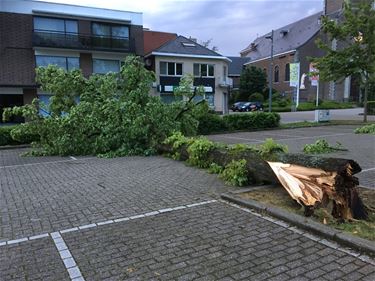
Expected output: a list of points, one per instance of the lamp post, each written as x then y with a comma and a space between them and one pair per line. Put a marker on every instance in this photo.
270, 74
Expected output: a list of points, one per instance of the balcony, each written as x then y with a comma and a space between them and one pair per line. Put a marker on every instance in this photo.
225, 82
50, 39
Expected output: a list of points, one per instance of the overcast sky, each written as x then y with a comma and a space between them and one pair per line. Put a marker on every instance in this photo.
231, 24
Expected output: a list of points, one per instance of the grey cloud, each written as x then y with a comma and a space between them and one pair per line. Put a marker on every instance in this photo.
231, 24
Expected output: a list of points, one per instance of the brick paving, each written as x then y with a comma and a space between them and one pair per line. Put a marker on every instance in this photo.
53, 196
203, 242
360, 147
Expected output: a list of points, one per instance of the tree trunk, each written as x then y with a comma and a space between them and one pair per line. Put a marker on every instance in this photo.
319, 179
365, 98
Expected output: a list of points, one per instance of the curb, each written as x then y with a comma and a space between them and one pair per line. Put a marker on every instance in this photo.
6, 147
357, 243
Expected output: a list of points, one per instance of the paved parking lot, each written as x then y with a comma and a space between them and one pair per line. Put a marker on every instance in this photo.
361, 147
147, 218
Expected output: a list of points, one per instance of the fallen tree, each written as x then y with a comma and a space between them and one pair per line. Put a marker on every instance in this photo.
312, 181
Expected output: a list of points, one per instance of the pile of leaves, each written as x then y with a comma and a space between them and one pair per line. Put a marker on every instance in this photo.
109, 115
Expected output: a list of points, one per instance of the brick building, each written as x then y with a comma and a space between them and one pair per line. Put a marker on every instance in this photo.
34, 33
296, 43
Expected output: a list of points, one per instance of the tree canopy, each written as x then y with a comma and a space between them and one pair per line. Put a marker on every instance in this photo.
252, 80
110, 115
353, 48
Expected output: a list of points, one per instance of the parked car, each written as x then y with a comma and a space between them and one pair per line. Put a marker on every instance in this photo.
237, 106
251, 106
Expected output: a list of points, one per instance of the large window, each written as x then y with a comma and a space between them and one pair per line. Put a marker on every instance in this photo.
67, 63
42, 24
287, 72
108, 30
102, 66
276, 74
170, 68
204, 70
113, 36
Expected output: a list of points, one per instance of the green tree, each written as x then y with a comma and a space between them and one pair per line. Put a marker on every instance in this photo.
252, 80
354, 33
116, 115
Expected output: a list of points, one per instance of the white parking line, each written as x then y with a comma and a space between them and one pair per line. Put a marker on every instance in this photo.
66, 256
102, 223
239, 138
290, 137
367, 170
48, 162
38, 163
313, 137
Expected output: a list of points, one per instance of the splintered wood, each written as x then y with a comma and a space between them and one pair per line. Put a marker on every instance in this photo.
313, 188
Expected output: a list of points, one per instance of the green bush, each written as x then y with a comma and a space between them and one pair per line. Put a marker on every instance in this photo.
367, 129
198, 150
321, 146
371, 107
270, 147
14, 135
256, 97
254, 120
235, 173
215, 168
5, 137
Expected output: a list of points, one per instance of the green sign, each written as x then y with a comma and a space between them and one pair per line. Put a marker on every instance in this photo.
294, 74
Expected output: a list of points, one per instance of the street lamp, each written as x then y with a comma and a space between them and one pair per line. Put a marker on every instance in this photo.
270, 74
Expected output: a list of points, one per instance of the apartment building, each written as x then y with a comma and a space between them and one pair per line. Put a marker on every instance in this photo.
180, 56
34, 33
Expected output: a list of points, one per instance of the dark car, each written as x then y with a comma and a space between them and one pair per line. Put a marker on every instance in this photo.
237, 106
251, 106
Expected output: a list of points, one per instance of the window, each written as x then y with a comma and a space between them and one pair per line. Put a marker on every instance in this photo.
107, 30
67, 63
287, 72
101, 66
276, 74
204, 70
170, 68
42, 24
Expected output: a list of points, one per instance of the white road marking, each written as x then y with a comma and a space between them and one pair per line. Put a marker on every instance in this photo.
66, 256
57, 234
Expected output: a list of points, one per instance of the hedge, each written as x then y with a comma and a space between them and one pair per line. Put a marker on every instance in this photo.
212, 123
6, 137
371, 107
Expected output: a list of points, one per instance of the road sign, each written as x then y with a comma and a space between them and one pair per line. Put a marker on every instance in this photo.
294, 74
314, 78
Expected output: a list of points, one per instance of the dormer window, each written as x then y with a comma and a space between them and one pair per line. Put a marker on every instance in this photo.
283, 33
185, 44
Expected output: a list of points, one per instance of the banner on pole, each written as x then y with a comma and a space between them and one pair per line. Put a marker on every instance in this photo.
313, 78
294, 74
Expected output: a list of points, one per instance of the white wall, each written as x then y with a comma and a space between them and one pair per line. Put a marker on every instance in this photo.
187, 68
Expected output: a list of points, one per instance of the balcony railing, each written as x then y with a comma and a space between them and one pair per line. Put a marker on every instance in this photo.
42, 38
